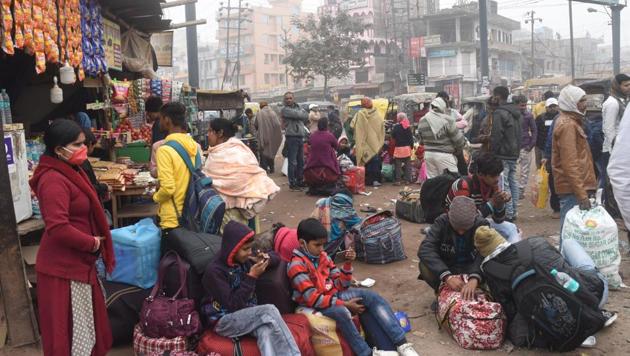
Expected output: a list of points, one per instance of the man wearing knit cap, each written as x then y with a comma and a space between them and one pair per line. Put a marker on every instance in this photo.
497, 253
448, 249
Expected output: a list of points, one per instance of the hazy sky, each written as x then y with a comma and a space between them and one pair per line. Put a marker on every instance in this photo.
554, 13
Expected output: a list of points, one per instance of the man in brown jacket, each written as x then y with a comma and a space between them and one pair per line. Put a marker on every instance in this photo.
573, 170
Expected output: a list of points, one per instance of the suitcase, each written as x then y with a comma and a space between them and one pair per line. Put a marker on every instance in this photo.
408, 206
137, 250
298, 325
195, 248
146, 346
123, 303
274, 287
354, 179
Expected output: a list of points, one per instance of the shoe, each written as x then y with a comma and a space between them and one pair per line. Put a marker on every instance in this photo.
407, 350
590, 341
425, 231
376, 184
376, 352
610, 317
302, 185
397, 184
555, 215
295, 188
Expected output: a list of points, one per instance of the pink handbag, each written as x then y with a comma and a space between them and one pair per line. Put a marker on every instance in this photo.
476, 324
170, 317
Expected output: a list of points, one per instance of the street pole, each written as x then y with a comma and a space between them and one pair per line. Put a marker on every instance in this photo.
238, 47
227, 45
286, 54
483, 33
572, 45
533, 20
191, 47
616, 38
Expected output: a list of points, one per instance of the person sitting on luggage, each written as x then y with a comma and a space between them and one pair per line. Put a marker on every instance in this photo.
230, 306
448, 249
483, 187
321, 285
322, 168
338, 216
499, 253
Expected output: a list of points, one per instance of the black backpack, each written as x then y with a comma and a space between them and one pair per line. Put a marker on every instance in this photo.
433, 195
556, 317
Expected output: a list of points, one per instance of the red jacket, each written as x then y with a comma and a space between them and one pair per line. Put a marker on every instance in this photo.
66, 198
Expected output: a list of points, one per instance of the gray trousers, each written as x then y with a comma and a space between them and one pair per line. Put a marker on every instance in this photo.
398, 163
265, 324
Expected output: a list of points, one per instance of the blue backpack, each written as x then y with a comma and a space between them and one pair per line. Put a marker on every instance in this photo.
203, 207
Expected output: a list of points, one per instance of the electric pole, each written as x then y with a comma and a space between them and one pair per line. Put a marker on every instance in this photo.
571, 40
533, 20
616, 37
242, 16
483, 34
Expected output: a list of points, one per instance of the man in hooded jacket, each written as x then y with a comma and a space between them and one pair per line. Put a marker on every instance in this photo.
571, 159
441, 138
505, 142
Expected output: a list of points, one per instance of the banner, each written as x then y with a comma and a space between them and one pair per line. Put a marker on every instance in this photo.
112, 44
415, 47
162, 43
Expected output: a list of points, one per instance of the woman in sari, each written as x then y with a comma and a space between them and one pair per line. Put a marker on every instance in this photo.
236, 175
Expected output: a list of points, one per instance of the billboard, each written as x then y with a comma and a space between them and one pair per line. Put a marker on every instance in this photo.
162, 43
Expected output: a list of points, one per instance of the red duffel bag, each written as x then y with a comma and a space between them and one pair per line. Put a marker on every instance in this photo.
298, 325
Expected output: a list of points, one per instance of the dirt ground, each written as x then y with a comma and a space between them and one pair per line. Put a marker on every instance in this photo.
398, 283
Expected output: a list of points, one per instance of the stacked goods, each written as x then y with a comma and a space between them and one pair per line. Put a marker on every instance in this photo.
94, 61
112, 177
120, 97
51, 33
18, 24
143, 133
7, 27
129, 175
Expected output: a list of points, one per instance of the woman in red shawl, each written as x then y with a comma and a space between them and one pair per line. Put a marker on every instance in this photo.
72, 314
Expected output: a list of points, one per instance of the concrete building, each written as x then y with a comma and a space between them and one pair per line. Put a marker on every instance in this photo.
452, 46
263, 32
209, 67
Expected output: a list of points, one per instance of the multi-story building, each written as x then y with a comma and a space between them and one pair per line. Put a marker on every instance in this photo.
264, 30
209, 67
452, 48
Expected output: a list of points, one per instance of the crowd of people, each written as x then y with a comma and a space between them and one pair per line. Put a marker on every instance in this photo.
475, 232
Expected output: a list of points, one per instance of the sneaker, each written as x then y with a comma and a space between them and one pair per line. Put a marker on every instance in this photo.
376, 184
407, 350
555, 215
610, 317
376, 352
590, 341
425, 231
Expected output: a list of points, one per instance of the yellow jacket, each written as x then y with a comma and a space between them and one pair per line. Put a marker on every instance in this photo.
539, 109
174, 176
369, 135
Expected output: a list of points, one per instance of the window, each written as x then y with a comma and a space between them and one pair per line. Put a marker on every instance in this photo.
267, 78
281, 78
274, 59
281, 59
267, 59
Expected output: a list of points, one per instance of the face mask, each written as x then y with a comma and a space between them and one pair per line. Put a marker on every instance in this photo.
78, 157
308, 253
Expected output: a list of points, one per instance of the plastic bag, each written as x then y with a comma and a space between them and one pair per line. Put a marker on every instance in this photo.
596, 231
540, 189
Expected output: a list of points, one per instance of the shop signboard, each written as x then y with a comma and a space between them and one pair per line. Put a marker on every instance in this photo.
112, 43
433, 40
353, 4
415, 47
162, 43
441, 53
8, 148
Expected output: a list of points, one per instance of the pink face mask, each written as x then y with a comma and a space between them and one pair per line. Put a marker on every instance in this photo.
78, 157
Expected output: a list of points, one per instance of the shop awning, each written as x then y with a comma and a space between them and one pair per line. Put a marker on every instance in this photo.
143, 15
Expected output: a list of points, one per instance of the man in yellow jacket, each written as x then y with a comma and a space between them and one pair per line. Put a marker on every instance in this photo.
173, 174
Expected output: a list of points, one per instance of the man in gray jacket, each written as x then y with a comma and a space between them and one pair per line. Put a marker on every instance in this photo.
505, 143
294, 118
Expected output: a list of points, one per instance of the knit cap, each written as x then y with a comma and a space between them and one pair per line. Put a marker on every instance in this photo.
487, 240
462, 213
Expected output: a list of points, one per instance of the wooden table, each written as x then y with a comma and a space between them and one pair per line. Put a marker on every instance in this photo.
121, 211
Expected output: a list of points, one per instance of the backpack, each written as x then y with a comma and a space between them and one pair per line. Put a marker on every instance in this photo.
558, 318
203, 207
433, 195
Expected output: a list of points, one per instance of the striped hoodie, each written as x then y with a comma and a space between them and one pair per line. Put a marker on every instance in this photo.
317, 286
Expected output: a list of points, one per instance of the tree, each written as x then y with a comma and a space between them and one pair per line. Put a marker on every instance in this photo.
330, 46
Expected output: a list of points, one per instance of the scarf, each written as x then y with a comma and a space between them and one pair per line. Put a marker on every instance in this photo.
80, 179
569, 98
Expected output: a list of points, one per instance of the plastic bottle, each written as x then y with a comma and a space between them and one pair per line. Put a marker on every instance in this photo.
566, 281
6, 107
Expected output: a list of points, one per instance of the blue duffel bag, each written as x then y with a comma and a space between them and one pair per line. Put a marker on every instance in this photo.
137, 250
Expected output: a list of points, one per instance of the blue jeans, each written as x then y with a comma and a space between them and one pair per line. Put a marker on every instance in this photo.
265, 324
508, 230
576, 256
295, 155
567, 202
510, 184
377, 307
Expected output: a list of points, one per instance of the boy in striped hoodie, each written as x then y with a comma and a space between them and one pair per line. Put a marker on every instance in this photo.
321, 285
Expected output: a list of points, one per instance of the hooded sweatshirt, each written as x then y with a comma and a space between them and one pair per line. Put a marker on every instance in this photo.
174, 176
438, 131
228, 285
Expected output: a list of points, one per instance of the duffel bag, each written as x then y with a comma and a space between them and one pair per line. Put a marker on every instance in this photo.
137, 250
477, 324
193, 285
380, 239
147, 346
211, 342
408, 206
123, 303
274, 287
196, 248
